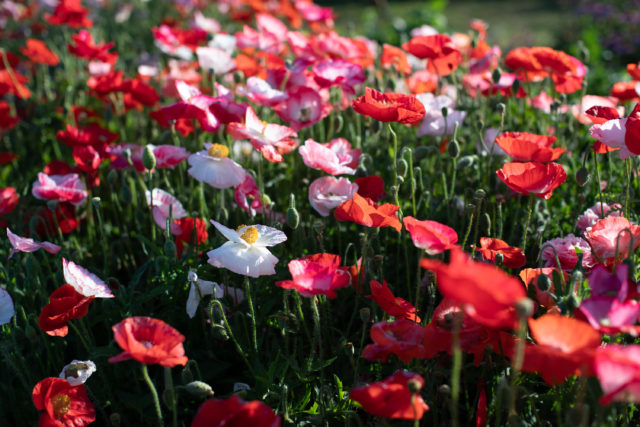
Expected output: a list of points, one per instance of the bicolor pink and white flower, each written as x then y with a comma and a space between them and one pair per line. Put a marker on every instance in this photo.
84, 282
616, 132
613, 236
592, 215
304, 107
340, 73
247, 196
262, 93
327, 193
27, 244
168, 156
246, 251
214, 167
164, 205
62, 188
430, 236
318, 274
434, 122
215, 59
565, 249
335, 157
618, 369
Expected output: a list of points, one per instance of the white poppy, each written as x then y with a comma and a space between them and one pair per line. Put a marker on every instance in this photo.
214, 167
78, 372
199, 289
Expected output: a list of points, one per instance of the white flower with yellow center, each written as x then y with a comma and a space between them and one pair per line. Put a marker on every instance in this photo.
214, 167
246, 251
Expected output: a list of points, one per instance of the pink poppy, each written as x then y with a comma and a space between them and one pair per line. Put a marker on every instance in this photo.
592, 215
247, 196
269, 24
303, 107
84, 282
262, 41
431, 236
618, 369
215, 59
610, 316
168, 156
26, 244
318, 274
335, 157
328, 192
62, 188
616, 132
338, 73
163, 205
607, 238
565, 248
312, 12
269, 139
262, 93
433, 123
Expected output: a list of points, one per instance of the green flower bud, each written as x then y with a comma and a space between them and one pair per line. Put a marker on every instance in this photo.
186, 374
112, 176
543, 282
499, 258
453, 149
293, 217
170, 248
496, 75
148, 158
95, 201
199, 390
515, 87
573, 301
220, 333
365, 314
524, 308
414, 386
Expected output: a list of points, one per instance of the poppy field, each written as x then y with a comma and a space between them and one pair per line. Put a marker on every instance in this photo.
229, 213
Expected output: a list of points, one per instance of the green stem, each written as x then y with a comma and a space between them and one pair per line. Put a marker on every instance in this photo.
231, 335
526, 224
154, 394
595, 167
168, 383
456, 370
395, 163
254, 333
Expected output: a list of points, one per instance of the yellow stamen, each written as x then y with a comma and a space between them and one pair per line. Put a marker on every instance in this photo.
61, 404
218, 150
250, 235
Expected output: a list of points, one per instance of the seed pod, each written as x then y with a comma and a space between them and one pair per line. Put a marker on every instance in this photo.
199, 390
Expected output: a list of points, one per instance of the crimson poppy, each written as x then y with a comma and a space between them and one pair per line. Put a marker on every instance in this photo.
65, 304
389, 107
401, 337
371, 187
62, 403
318, 274
532, 177
235, 412
525, 146
366, 212
511, 257
193, 231
390, 304
7, 121
70, 13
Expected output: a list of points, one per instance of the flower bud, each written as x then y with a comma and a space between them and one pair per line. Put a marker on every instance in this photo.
573, 301
499, 258
582, 176
543, 282
95, 201
444, 389
479, 194
420, 153
453, 149
186, 374
501, 108
31, 333
293, 217
515, 87
524, 308
170, 248
414, 385
112, 176
445, 112
496, 75
127, 156
148, 158
199, 390
465, 162
365, 314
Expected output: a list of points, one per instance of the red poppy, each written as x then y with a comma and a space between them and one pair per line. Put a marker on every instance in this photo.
533, 177
235, 412
401, 337
487, 294
149, 341
389, 107
438, 49
64, 404
391, 398
104, 84
431, 236
84, 47
13, 84
65, 304
366, 212
395, 57
7, 121
70, 13
193, 231
92, 134
65, 218
566, 347
390, 304
625, 91
318, 274
512, 257
525, 146
371, 187
137, 93
38, 52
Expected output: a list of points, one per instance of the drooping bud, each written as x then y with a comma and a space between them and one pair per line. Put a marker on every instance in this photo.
524, 308
403, 167
414, 386
582, 176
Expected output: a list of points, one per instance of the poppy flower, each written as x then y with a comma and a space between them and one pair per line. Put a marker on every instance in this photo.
214, 167
7, 121
371, 187
85, 47
149, 341
565, 249
394, 57
579, 111
25, 244
532, 177
595, 213
625, 91
164, 204
38, 53
13, 83
247, 195
525, 146
609, 239
62, 403
200, 288
303, 107
401, 337
443, 57
338, 72
431, 236
192, 231
433, 123
335, 157
318, 274
328, 192
246, 251
619, 133
65, 304
618, 369
390, 304
366, 212
608, 315
389, 107
77, 372
261, 92
235, 412
7, 309
62, 218
8, 200
84, 282
61, 188
92, 134
565, 347
487, 294
215, 59
70, 13
391, 398
512, 257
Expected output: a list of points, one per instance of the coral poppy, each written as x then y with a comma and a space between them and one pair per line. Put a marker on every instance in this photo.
328, 192
533, 177
401, 337
486, 293
38, 52
618, 369
613, 236
235, 412
390, 304
431, 236
438, 49
525, 146
511, 257
62, 403
318, 274
391, 398
65, 304
366, 212
394, 57
389, 107
149, 341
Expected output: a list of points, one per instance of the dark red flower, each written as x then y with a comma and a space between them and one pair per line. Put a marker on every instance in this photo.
512, 256
8, 200
625, 91
64, 404
13, 84
389, 107
65, 303
401, 337
390, 304
70, 13
371, 187
235, 412
7, 121
84, 47
366, 212
533, 177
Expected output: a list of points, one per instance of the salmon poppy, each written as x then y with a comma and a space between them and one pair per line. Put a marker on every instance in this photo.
235, 412
486, 293
533, 177
149, 341
62, 403
511, 257
394, 57
318, 274
402, 338
390, 304
365, 211
389, 107
438, 49
391, 398
430, 236
525, 146
65, 304
618, 369
38, 52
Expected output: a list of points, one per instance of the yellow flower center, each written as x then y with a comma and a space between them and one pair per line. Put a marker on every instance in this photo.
61, 405
218, 150
250, 235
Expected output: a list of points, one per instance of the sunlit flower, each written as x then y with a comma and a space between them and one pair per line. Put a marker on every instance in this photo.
62, 403
430, 236
26, 244
85, 282
592, 215
328, 192
214, 167
235, 412
164, 204
318, 274
618, 369
62, 188
335, 157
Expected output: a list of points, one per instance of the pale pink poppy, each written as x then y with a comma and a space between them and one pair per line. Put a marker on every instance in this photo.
168, 42
267, 23
164, 204
618, 369
433, 123
430, 236
85, 282
62, 188
312, 12
335, 157
588, 101
26, 244
262, 41
592, 215
303, 107
328, 192
209, 25
610, 237
338, 73
262, 93
269, 139
214, 167
565, 248
543, 102
215, 59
